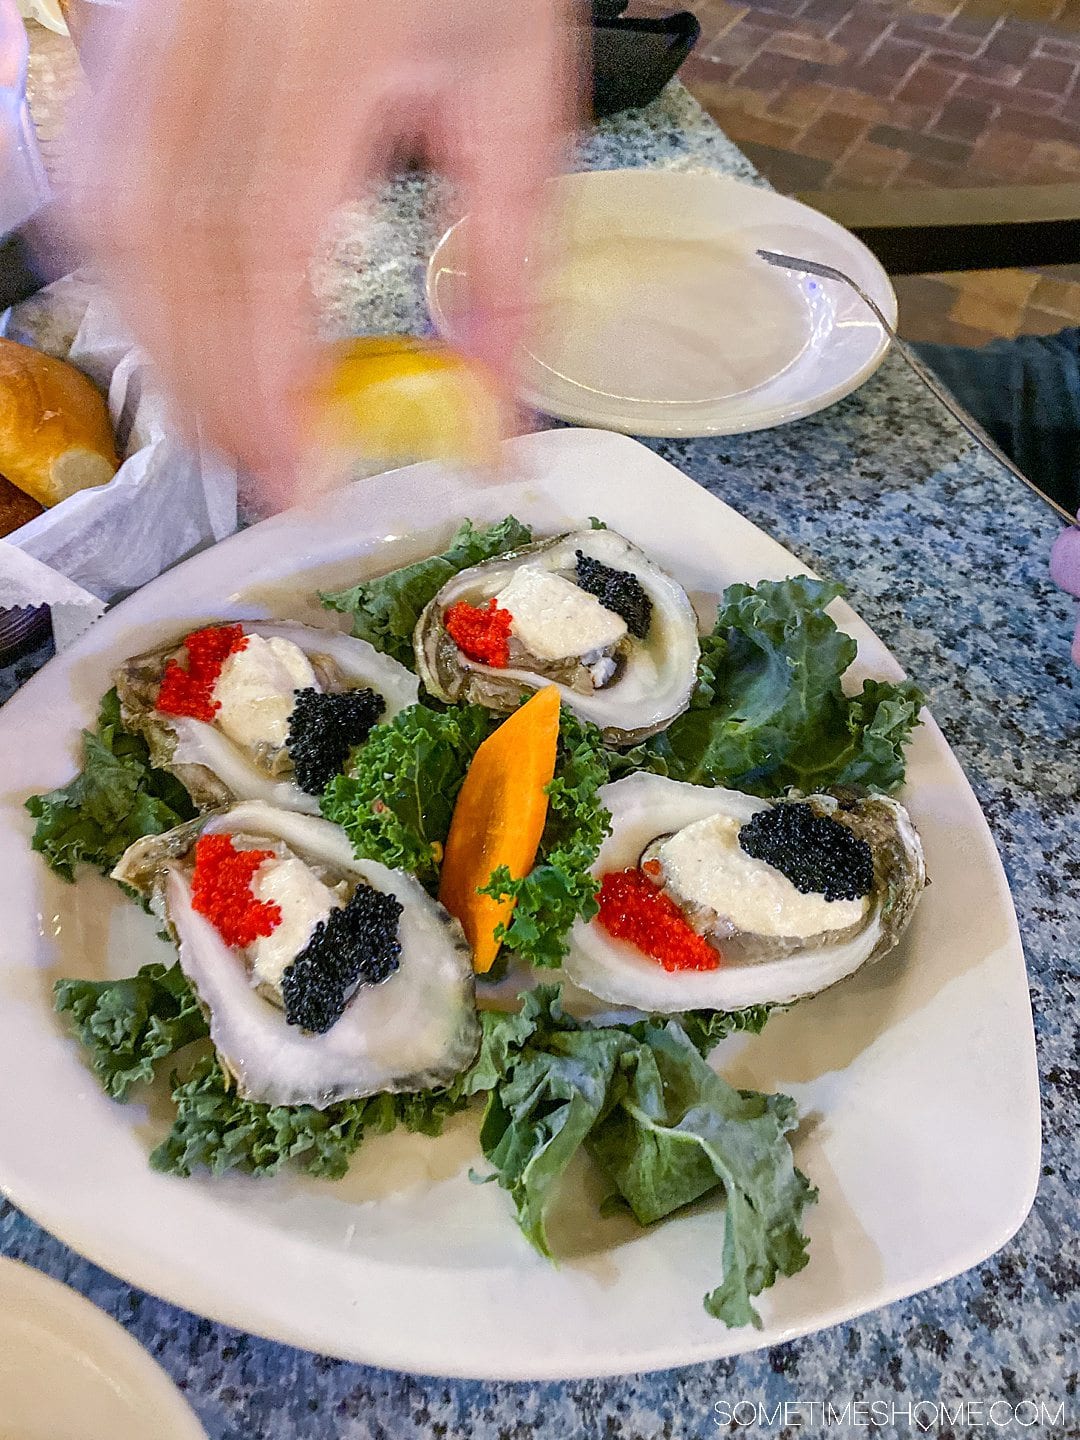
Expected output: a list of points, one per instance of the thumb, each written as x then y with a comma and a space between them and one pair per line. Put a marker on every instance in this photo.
1065, 571
1065, 561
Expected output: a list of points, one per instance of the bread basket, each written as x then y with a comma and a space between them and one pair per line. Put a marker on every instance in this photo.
166, 500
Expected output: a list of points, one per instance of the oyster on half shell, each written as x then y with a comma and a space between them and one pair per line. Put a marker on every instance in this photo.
416, 1029
777, 944
631, 688
217, 767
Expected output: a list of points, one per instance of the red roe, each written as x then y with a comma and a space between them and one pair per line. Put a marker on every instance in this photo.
633, 909
191, 692
481, 632
221, 890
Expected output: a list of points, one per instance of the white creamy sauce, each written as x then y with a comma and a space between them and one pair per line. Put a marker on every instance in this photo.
554, 618
705, 865
256, 691
304, 901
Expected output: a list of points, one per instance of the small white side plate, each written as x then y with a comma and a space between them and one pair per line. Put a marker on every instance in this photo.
915, 1079
67, 1370
652, 314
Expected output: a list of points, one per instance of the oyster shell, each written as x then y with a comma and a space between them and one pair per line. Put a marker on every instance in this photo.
212, 767
756, 969
648, 684
414, 1030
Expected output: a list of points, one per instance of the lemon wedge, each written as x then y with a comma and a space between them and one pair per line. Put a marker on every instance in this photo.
396, 399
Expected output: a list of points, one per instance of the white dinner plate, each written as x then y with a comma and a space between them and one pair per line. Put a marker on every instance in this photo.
651, 313
69, 1372
916, 1079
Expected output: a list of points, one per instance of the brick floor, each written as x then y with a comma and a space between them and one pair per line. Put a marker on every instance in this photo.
938, 77
981, 305
857, 94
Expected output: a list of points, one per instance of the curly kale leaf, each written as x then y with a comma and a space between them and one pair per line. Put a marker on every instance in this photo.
547, 1080
706, 1028
664, 1127
398, 800
384, 611
127, 1026
396, 803
769, 712
661, 1124
677, 1132
217, 1131
116, 798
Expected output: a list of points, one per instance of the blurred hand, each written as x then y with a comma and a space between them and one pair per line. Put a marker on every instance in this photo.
1065, 570
221, 134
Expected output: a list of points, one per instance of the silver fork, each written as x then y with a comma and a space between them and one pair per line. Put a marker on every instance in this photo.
928, 378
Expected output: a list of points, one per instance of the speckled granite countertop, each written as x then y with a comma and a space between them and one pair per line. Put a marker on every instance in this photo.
946, 557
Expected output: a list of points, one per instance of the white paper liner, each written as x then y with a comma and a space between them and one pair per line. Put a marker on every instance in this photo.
73, 608
164, 502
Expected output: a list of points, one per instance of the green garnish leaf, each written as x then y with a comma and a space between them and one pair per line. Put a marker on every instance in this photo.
547, 1080
664, 1127
769, 713
396, 803
384, 611
127, 1026
678, 1131
879, 722
706, 1028
116, 798
216, 1131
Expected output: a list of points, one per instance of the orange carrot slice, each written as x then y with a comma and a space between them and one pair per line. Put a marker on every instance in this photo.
499, 819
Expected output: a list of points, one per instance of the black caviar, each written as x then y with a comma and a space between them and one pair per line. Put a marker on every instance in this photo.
356, 945
324, 728
616, 590
819, 855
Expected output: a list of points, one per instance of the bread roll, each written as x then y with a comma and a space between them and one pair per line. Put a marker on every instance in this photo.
16, 507
55, 436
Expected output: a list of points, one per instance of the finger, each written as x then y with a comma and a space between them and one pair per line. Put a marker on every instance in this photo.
501, 138
101, 154
211, 236
237, 220
299, 181
291, 182
1065, 571
1065, 561
144, 129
